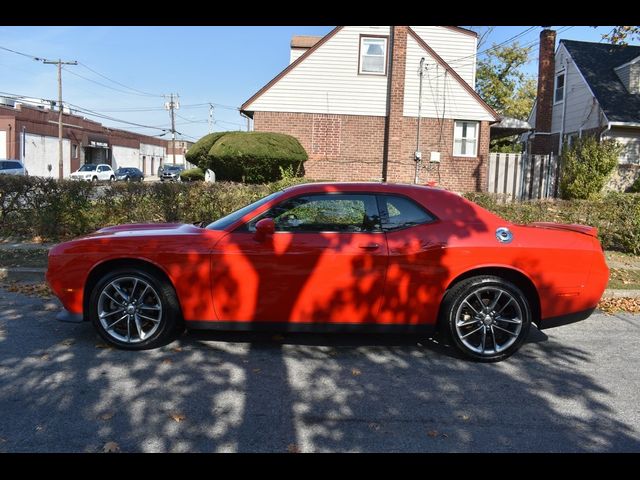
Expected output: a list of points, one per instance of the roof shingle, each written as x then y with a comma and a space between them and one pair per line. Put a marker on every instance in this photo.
597, 62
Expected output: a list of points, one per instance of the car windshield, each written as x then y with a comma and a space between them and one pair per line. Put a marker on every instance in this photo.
124, 170
87, 168
224, 222
173, 168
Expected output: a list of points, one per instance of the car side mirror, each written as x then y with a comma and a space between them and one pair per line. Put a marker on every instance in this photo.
265, 228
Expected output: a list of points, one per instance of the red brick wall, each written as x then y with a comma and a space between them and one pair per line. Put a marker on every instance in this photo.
459, 174
350, 148
340, 147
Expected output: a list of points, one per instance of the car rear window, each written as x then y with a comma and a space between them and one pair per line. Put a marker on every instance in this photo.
400, 212
9, 165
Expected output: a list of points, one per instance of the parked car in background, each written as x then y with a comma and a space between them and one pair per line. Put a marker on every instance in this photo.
12, 167
171, 173
129, 174
94, 173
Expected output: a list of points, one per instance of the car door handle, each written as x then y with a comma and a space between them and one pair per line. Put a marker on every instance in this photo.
369, 246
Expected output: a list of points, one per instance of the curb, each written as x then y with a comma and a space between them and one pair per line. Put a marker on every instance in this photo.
621, 293
28, 274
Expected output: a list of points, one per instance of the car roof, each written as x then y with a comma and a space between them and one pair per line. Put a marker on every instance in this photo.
379, 187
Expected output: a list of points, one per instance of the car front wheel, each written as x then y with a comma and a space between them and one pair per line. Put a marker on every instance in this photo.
487, 318
135, 310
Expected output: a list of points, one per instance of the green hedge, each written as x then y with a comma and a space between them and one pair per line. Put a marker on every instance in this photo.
252, 157
192, 175
52, 210
616, 215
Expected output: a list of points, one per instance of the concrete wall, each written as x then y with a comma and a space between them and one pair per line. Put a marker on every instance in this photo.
3, 144
42, 151
124, 157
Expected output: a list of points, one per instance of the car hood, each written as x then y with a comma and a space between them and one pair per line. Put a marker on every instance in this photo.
146, 229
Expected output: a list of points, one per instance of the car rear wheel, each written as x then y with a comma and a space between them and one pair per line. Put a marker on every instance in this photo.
487, 318
134, 309
94, 179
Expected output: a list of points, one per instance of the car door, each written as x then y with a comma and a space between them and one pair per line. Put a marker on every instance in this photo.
325, 263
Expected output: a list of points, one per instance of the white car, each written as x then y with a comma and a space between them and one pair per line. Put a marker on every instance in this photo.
12, 167
94, 173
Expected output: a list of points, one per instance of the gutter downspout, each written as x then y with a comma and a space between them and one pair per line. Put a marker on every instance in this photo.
385, 147
564, 104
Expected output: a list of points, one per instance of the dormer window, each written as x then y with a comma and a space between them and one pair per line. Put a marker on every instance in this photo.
373, 56
559, 90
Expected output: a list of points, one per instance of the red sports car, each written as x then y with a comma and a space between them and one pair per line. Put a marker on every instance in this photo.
336, 257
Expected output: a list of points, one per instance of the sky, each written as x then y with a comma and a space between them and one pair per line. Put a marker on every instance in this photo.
125, 71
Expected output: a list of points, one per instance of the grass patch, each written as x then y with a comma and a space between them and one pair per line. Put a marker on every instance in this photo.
623, 279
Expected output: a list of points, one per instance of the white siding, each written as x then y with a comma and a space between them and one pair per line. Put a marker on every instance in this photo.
3, 144
328, 82
456, 48
42, 152
582, 110
442, 95
125, 157
629, 138
295, 53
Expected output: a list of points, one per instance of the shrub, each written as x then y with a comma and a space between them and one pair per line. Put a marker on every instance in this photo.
252, 157
192, 175
635, 186
586, 166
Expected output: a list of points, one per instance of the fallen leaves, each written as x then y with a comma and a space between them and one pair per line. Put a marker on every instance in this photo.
103, 345
256, 370
176, 349
105, 417
177, 417
432, 433
167, 361
30, 289
111, 447
356, 372
621, 304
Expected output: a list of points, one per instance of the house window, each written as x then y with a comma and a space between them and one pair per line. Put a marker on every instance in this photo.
373, 55
74, 151
465, 139
559, 90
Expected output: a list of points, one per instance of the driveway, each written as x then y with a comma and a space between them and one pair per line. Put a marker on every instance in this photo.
569, 389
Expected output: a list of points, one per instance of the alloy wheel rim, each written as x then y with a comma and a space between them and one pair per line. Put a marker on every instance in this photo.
129, 309
488, 321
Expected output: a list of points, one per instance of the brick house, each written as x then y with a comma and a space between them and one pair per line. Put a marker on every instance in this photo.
352, 98
587, 88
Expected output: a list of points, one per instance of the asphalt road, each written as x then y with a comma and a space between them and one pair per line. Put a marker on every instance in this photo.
569, 389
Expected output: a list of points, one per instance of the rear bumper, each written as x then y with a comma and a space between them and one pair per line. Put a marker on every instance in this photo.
565, 319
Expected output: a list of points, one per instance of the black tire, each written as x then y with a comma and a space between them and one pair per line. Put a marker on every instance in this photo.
171, 323
94, 179
488, 287
112, 178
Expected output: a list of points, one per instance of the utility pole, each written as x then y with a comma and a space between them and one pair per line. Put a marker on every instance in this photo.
172, 106
211, 122
60, 63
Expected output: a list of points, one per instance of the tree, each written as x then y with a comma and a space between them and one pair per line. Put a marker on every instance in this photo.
505, 87
621, 34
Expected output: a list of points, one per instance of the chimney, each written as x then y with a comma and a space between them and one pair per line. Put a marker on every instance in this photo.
300, 44
392, 149
544, 105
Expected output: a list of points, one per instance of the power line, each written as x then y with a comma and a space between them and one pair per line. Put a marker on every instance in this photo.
104, 85
141, 92
33, 57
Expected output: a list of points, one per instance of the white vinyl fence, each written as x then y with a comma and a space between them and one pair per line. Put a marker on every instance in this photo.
523, 177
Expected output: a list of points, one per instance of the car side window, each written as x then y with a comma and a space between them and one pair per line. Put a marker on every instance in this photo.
401, 212
346, 213
1, 165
